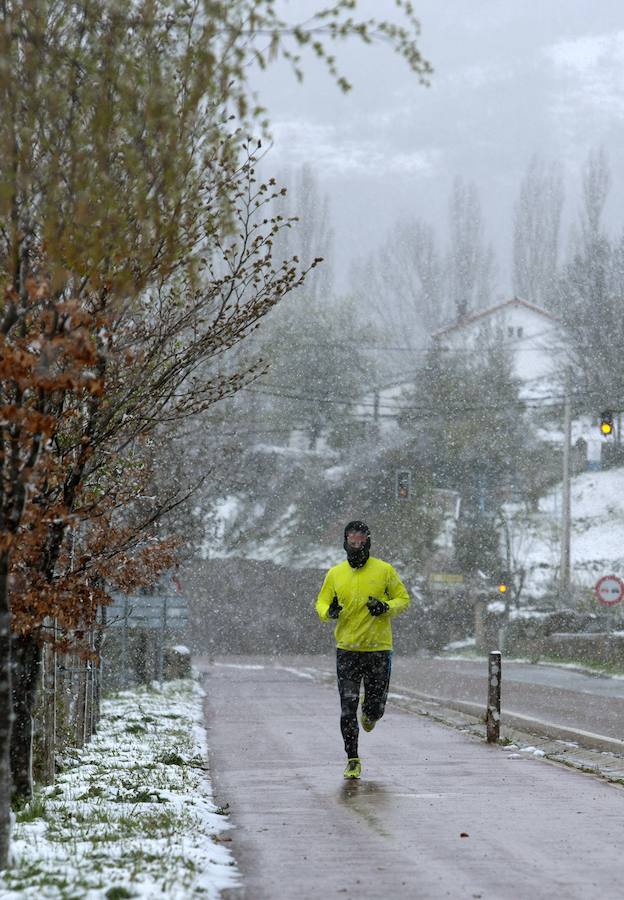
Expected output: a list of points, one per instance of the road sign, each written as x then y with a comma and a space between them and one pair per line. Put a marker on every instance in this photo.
609, 590
443, 581
154, 611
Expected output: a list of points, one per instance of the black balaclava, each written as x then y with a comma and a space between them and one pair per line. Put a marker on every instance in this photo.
357, 557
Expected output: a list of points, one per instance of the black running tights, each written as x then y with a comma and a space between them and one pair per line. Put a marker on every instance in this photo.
352, 667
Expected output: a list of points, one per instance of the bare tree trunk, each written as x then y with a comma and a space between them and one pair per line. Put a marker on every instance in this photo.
6, 714
25, 667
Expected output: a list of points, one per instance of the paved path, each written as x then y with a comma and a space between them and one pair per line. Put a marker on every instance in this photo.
534, 830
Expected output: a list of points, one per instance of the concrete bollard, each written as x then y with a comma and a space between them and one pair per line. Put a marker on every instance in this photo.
492, 716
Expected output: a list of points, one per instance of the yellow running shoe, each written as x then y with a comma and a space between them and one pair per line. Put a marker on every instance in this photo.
367, 724
354, 768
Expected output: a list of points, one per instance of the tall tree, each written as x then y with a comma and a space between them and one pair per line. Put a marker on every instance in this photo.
590, 298
536, 228
403, 283
144, 366
314, 348
469, 430
319, 368
470, 259
596, 184
310, 234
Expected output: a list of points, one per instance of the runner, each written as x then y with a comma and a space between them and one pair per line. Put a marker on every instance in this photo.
362, 594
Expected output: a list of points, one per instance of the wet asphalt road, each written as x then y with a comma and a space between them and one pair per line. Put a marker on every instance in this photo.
437, 813
552, 694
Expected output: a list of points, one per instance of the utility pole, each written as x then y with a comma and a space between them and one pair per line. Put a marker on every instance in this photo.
564, 569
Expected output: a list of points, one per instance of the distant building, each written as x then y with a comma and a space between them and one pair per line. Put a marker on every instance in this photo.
535, 340
533, 337
536, 343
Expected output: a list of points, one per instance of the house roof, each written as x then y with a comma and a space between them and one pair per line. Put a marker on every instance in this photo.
484, 313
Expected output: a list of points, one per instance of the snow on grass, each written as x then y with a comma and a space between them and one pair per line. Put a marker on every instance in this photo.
132, 813
597, 539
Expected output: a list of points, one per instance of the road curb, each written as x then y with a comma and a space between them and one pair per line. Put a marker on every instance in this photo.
586, 739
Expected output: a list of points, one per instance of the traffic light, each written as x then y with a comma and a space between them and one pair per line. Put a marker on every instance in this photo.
403, 484
606, 422
504, 582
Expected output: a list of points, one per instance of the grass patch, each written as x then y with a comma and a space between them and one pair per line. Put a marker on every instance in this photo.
94, 791
145, 796
32, 810
136, 728
172, 759
129, 814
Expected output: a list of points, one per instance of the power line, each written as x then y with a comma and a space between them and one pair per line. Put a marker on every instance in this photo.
506, 343
548, 401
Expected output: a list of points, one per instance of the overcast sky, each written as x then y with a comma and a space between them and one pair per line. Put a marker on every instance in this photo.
510, 79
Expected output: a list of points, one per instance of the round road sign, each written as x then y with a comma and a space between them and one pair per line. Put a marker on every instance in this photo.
609, 590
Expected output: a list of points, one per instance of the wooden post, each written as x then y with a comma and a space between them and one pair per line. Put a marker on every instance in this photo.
49, 692
86, 715
98, 641
124, 645
81, 690
92, 693
64, 690
492, 716
161, 642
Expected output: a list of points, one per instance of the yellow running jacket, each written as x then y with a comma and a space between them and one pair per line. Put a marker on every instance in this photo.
356, 629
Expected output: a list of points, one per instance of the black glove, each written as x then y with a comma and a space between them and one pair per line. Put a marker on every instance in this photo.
377, 607
334, 608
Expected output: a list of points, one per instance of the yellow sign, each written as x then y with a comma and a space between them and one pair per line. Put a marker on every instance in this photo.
446, 578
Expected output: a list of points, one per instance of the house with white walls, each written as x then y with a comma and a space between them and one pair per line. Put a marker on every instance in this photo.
532, 336
536, 343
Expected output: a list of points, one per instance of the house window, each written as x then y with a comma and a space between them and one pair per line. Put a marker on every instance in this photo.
510, 331
519, 331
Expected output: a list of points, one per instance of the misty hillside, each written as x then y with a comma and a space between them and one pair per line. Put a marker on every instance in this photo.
597, 542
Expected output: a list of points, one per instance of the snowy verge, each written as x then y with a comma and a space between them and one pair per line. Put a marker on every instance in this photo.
132, 813
597, 538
